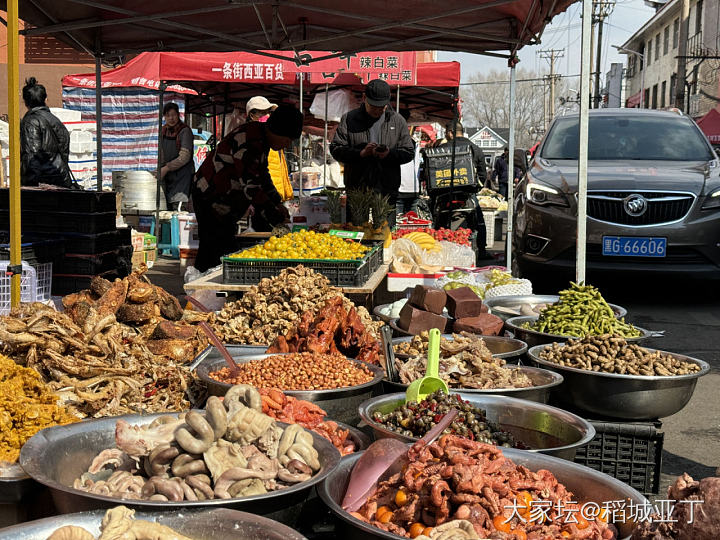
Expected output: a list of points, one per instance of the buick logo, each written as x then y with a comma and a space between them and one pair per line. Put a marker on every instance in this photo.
635, 205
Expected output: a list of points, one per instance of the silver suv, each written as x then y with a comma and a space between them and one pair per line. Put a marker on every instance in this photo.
653, 196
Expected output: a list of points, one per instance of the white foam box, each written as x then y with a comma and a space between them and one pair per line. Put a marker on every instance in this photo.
188, 231
66, 115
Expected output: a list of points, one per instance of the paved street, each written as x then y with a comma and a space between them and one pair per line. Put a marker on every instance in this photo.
689, 313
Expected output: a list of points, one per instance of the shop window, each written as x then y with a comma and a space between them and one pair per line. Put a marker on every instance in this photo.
698, 16
646, 99
657, 47
676, 33
648, 54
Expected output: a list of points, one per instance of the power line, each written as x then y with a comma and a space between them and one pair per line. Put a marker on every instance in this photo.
518, 80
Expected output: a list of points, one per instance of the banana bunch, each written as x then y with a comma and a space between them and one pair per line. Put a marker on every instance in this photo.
424, 240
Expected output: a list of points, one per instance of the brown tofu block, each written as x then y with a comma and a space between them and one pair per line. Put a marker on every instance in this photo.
485, 324
463, 302
428, 299
414, 320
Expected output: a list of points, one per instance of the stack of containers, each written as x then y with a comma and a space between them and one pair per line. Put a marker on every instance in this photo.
189, 241
144, 249
82, 159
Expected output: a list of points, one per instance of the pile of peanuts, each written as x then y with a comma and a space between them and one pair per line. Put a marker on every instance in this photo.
298, 371
612, 354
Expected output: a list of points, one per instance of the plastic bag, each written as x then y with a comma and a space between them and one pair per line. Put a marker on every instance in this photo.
522, 288
339, 102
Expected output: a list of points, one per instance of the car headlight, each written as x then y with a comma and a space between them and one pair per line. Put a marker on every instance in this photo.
544, 195
712, 201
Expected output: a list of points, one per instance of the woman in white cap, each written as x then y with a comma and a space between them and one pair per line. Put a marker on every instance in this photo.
258, 109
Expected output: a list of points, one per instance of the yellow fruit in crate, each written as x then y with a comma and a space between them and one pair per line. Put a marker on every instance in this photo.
305, 245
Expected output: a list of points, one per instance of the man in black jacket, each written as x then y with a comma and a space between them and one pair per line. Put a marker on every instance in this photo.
44, 141
372, 142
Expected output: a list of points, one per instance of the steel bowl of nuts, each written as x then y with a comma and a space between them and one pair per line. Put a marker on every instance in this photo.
336, 383
610, 377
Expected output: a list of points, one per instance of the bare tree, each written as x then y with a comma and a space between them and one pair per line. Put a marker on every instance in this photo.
486, 103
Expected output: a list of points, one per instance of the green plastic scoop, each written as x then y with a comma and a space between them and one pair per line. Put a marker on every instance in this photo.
431, 382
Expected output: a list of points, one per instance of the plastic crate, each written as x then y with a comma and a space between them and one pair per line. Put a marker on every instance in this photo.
28, 286
92, 244
43, 290
340, 273
62, 200
74, 222
35, 250
82, 264
65, 284
628, 451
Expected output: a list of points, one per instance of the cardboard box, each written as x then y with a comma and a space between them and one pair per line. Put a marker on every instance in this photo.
137, 239
138, 258
149, 241
150, 257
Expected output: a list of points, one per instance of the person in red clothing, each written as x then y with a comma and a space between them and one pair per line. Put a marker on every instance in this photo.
235, 176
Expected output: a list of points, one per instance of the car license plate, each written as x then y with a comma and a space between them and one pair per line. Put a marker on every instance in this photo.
634, 246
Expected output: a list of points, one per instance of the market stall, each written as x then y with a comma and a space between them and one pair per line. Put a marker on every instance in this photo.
514, 430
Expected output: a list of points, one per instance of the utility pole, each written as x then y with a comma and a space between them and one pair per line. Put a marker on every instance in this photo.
552, 55
544, 102
601, 10
682, 55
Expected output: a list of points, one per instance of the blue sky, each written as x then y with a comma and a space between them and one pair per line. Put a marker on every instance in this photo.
564, 32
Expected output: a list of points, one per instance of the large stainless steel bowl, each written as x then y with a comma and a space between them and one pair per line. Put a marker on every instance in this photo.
58, 455
544, 429
509, 349
632, 397
513, 303
16, 484
339, 404
586, 485
216, 524
543, 383
532, 337
211, 352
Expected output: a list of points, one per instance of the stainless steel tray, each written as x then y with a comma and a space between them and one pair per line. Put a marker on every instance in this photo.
515, 301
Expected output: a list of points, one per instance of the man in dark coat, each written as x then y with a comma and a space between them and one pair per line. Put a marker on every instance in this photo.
44, 141
372, 142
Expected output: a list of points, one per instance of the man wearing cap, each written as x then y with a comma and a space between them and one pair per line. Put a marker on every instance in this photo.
235, 176
372, 142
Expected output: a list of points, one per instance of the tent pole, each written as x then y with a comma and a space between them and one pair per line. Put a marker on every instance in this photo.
583, 150
397, 106
300, 156
98, 121
511, 169
161, 105
215, 133
13, 75
325, 141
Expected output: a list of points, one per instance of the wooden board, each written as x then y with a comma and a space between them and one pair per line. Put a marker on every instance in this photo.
214, 282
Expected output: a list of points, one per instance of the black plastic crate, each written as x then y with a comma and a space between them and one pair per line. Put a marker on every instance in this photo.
41, 222
62, 200
64, 284
73, 263
91, 244
628, 451
34, 249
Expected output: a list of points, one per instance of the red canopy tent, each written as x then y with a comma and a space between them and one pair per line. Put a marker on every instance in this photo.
214, 81
710, 125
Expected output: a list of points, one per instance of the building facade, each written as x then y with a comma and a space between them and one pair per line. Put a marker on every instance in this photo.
651, 75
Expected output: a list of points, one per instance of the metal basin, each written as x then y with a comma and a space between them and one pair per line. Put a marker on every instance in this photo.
216, 524
586, 485
508, 349
532, 338
58, 455
211, 352
545, 429
514, 302
340, 404
632, 397
16, 485
402, 333
544, 382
